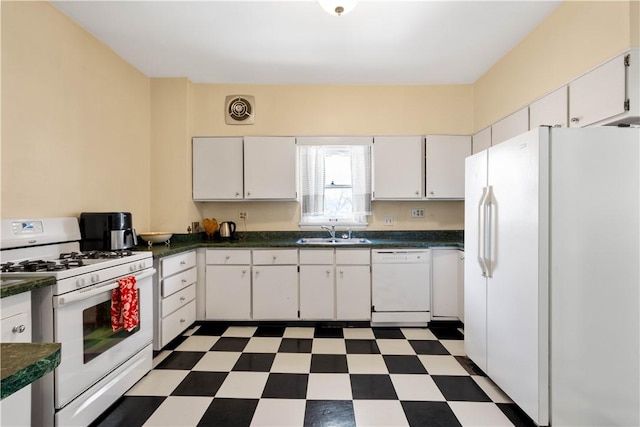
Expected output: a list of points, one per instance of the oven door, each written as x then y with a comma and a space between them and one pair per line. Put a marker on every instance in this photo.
90, 348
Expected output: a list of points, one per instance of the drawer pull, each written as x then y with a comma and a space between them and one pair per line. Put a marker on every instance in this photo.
184, 280
183, 320
183, 262
182, 299
19, 329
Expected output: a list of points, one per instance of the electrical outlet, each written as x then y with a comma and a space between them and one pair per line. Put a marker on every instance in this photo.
388, 220
243, 215
417, 213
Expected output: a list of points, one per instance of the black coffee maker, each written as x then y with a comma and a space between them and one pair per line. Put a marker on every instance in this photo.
107, 231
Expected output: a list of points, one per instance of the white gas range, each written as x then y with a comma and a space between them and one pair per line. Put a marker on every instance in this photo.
98, 364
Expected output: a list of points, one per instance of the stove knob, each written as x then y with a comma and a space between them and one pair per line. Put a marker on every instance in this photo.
95, 278
132, 268
142, 265
79, 282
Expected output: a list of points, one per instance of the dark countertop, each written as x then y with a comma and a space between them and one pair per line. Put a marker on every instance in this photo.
24, 363
287, 239
11, 286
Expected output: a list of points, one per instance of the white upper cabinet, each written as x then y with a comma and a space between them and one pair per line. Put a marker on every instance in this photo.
217, 169
270, 167
398, 167
599, 94
445, 165
550, 110
512, 125
482, 140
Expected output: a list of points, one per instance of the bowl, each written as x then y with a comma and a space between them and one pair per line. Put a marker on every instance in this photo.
155, 237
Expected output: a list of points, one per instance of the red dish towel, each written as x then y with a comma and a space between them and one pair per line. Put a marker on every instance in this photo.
124, 305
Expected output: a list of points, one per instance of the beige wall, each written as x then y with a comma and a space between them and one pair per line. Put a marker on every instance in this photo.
576, 37
75, 120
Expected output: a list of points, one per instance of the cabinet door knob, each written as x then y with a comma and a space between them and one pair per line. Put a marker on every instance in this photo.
19, 329
431, 192
575, 119
417, 193
328, 273
237, 194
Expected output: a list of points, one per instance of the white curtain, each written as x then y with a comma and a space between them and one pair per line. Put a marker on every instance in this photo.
361, 179
312, 180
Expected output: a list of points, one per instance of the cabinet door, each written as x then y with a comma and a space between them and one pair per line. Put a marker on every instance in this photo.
482, 140
397, 167
512, 125
228, 292
353, 292
445, 165
275, 292
217, 169
550, 110
444, 279
598, 95
316, 292
270, 167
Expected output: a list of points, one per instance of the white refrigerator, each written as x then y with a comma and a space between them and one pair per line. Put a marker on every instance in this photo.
552, 273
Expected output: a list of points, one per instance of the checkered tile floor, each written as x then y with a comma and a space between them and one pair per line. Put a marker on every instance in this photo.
219, 375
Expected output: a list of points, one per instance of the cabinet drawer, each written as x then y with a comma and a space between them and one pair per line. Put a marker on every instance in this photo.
353, 256
179, 281
177, 322
223, 256
275, 257
16, 328
316, 256
177, 300
177, 263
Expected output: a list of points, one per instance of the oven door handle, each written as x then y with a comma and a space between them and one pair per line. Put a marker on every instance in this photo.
94, 290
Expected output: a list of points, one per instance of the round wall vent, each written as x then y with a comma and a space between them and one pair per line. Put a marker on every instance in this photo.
240, 110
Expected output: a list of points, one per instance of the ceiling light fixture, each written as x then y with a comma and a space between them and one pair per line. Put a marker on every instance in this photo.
337, 7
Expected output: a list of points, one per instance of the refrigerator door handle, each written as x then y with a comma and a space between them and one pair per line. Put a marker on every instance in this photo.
488, 233
482, 228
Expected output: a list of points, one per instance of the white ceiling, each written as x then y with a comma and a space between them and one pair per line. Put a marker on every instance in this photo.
296, 42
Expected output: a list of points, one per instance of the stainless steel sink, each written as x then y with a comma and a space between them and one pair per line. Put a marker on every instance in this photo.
333, 241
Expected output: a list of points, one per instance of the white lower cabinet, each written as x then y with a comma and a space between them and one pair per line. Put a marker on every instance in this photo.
353, 284
228, 284
174, 296
275, 284
444, 284
317, 284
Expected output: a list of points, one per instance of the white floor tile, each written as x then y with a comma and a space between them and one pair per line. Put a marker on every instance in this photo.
379, 413
279, 412
366, 364
158, 382
329, 387
395, 347
358, 333
479, 414
160, 357
455, 347
217, 361
416, 387
295, 332
243, 385
418, 334
297, 363
329, 346
178, 411
492, 390
240, 331
442, 365
197, 343
263, 345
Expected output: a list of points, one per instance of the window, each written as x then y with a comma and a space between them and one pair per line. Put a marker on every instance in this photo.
335, 184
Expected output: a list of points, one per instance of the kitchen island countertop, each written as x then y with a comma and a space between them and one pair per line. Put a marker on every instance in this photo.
24, 363
12, 286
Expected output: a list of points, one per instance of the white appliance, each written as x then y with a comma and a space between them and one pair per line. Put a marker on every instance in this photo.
400, 287
552, 244
97, 364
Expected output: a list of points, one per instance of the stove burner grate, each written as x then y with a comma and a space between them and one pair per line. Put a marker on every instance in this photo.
96, 254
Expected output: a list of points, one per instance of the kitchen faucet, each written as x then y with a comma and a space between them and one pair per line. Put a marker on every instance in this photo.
331, 229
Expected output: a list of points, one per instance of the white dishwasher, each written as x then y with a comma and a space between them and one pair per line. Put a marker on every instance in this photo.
401, 283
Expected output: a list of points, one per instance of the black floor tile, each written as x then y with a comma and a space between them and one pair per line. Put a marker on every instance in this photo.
325, 332
230, 344
198, 383
254, 362
404, 364
286, 386
269, 331
212, 329
460, 388
365, 386
433, 414
229, 413
469, 366
184, 360
131, 411
296, 345
447, 333
428, 347
329, 363
516, 415
362, 347
329, 413
388, 333
174, 343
